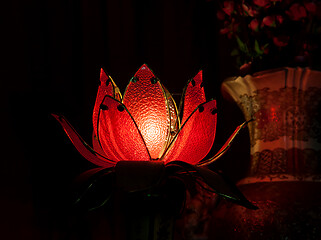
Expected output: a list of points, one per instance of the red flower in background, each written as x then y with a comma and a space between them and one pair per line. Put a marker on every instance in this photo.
280, 19
269, 21
310, 7
296, 12
249, 10
245, 68
254, 25
262, 3
228, 7
230, 28
260, 29
281, 41
220, 15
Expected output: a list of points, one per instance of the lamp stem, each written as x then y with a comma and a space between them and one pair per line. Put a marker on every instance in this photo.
155, 226
163, 227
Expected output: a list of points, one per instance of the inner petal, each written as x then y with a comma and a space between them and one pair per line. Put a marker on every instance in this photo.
146, 101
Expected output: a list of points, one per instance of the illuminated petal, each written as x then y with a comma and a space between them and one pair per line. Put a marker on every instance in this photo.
196, 136
146, 101
174, 119
83, 148
107, 87
193, 96
118, 133
225, 147
96, 146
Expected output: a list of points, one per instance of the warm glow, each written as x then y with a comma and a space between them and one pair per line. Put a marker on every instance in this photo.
145, 100
143, 125
151, 132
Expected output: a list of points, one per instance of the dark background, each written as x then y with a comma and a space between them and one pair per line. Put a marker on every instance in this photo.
52, 52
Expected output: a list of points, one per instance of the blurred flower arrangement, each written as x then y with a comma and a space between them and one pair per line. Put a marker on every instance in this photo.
272, 33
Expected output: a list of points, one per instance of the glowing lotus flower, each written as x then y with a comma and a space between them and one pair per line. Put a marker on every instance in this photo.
141, 141
144, 125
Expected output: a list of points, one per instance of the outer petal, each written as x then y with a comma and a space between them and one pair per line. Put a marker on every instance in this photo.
83, 148
146, 101
107, 87
96, 145
225, 147
118, 133
196, 136
193, 96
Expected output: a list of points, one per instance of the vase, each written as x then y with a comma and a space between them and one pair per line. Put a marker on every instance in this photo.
284, 177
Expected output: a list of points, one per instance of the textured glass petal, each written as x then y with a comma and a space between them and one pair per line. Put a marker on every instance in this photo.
145, 100
226, 146
107, 87
83, 148
193, 96
118, 133
174, 119
196, 136
97, 147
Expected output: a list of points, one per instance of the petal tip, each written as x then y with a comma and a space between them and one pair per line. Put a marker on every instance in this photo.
144, 69
56, 116
144, 66
198, 79
103, 76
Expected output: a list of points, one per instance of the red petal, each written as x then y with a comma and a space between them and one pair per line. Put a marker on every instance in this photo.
96, 145
83, 148
118, 133
107, 87
225, 147
145, 100
174, 119
196, 136
193, 95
